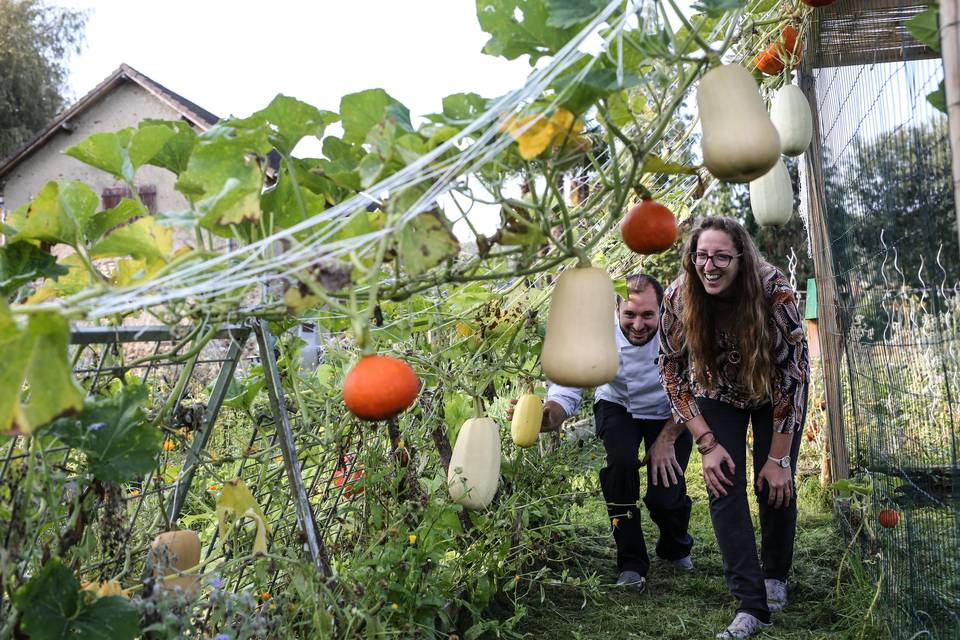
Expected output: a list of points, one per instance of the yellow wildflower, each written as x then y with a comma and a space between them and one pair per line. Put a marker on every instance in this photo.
412, 538
169, 445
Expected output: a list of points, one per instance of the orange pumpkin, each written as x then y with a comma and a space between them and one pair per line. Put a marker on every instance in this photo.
771, 59
889, 518
379, 387
649, 227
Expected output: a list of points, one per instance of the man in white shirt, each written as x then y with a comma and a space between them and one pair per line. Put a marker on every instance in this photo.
630, 409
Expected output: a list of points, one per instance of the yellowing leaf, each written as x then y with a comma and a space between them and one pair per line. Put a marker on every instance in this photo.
36, 382
236, 502
129, 271
143, 239
534, 133
77, 279
105, 589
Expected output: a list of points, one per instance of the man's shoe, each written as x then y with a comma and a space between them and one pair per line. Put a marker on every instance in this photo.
685, 563
776, 594
744, 625
631, 580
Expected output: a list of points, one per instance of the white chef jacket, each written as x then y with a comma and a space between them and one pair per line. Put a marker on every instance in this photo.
636, 386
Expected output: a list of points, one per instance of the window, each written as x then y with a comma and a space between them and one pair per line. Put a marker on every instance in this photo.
148, 196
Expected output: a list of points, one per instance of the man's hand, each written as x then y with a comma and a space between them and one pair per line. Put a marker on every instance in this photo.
778, 481
553, 415
662, 458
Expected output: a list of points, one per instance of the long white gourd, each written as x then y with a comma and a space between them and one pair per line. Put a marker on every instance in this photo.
790, 113
475, 464
579, 349
739, 141
771, 197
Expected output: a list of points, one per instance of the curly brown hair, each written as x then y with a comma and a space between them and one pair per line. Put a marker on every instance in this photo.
699, 312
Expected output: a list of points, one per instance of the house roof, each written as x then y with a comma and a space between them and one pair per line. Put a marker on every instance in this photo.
197, 116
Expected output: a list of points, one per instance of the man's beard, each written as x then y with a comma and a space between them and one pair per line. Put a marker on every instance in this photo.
626, 334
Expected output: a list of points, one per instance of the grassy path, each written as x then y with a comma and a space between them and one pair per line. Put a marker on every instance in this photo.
696, 605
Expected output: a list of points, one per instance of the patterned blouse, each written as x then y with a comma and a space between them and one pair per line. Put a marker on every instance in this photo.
791, 361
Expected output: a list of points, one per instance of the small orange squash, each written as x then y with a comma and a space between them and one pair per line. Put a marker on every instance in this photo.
379, 387
771, 60
649, 227
889, 518
177, 551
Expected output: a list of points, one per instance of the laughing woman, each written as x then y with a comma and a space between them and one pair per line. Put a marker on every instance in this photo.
733, 351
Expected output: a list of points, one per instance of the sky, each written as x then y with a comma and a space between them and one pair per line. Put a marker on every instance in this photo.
232, 58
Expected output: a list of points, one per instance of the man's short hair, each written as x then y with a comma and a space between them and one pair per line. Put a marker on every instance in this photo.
638, 283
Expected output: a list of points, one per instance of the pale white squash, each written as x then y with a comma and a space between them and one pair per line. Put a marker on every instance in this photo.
739, 141
527, 418
771, 197
475, 464
790, 114
579, 349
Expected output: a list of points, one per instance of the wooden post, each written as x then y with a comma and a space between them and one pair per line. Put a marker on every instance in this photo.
828, 325
950, 50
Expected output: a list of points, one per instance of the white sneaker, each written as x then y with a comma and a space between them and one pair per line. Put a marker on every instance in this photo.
744, 625
776, 594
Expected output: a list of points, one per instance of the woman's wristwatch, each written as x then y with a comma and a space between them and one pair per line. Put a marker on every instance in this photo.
783, 463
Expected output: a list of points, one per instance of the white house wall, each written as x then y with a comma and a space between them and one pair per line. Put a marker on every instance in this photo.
124, 106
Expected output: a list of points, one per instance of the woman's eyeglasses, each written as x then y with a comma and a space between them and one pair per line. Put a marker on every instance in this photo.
720, 260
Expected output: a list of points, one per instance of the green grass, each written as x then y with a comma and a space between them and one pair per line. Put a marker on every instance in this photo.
679, 605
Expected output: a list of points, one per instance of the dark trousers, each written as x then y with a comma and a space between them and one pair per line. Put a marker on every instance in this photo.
620, 480
743, 570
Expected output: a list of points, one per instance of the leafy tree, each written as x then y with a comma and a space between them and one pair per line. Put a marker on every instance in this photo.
900, 183
35, 41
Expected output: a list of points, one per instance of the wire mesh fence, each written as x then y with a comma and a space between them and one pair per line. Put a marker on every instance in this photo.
888, 203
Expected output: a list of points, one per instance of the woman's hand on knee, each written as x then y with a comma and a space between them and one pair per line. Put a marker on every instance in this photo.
716, 478
779, 484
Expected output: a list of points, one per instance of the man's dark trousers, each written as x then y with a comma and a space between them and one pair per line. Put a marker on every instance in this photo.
620, 480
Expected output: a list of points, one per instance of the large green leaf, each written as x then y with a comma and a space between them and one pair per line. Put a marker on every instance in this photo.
53, 608
122, 152
143, 239
464, 107
22, 262
569, 13
938, 98
426, 241
579, 94
225, 175
175, 154
531, 35
114, 434
290, 121
36, 383
105, 221
364, 110
58, 214
716, 8
924, 27
282, 206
